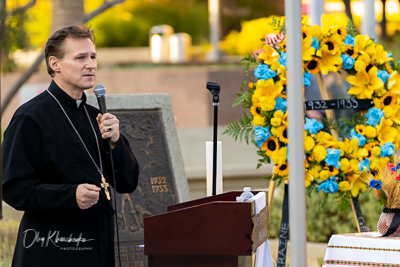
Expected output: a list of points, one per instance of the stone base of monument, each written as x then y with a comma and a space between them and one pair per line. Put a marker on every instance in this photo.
146, 120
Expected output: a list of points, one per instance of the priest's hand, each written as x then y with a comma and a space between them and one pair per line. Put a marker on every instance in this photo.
109, 127
87, 195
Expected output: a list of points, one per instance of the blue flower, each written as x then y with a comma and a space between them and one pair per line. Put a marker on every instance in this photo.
363, 165
374, 116
348, 62
313, 126
329, 186
383, 75
261, 134
375, 184
349, 40
315, 43
387, 150
332, 158
390, 54
307, 79
281, 104
263, 72
282, 59
361, 139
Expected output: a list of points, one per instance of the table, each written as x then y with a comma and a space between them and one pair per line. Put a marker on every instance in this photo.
362, 249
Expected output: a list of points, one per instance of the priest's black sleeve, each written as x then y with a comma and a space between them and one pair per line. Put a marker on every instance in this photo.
27, 183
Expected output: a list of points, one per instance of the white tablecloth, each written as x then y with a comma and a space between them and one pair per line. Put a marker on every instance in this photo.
263, 253
362, 249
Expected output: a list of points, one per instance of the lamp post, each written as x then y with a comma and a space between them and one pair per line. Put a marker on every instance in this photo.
214, 26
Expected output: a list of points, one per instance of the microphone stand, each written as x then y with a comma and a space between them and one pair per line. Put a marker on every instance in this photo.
214, 88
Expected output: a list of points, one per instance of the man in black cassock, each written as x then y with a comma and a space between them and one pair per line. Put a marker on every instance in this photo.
55, 154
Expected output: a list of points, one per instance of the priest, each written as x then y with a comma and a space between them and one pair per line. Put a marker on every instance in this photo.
60, 157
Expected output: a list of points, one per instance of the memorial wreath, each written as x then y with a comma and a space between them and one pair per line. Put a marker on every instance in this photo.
334, 163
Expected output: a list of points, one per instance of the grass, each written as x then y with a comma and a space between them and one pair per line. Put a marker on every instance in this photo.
8, 234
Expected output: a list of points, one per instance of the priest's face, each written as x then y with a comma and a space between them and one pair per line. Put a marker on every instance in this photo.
76, 71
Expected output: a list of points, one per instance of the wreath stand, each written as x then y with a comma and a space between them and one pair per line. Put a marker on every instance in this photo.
284, 230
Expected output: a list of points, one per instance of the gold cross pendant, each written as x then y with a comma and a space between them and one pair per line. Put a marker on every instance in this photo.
105, 186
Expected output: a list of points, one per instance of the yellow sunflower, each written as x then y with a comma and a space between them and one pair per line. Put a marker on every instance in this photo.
360, 129
283, 134
373, 149
349, 50
255, 110
313, 66
389, 99
332, 170
270, 146
282, 169
333, 44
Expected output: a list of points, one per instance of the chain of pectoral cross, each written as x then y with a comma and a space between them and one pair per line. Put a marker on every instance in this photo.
103, 183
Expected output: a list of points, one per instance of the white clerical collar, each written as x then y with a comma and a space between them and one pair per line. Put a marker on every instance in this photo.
78, 102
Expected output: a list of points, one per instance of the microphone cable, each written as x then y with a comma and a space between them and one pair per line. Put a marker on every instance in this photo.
115, 201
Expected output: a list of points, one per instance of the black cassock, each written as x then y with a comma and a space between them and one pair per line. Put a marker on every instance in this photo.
43, 163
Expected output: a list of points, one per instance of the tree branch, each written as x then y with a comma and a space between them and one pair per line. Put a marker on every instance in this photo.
30, 4
32, 69
106, 5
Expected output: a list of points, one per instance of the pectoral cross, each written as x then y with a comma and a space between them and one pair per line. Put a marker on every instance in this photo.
105, 186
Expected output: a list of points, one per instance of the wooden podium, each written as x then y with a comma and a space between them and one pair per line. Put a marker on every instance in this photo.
211, 231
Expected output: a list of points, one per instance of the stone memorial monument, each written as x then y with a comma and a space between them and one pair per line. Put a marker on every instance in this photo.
147, 121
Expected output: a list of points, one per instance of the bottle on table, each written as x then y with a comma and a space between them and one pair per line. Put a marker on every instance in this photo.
247, 193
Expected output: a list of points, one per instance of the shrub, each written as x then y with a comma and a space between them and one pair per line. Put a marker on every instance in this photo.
323, 222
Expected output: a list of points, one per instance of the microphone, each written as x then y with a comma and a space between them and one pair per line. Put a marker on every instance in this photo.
100, 91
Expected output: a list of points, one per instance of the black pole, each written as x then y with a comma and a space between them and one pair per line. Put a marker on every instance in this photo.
215, 104
214, 89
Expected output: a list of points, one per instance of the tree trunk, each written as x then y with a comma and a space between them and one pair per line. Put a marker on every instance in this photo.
347, 6
384, 21
66, 12
32, 69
